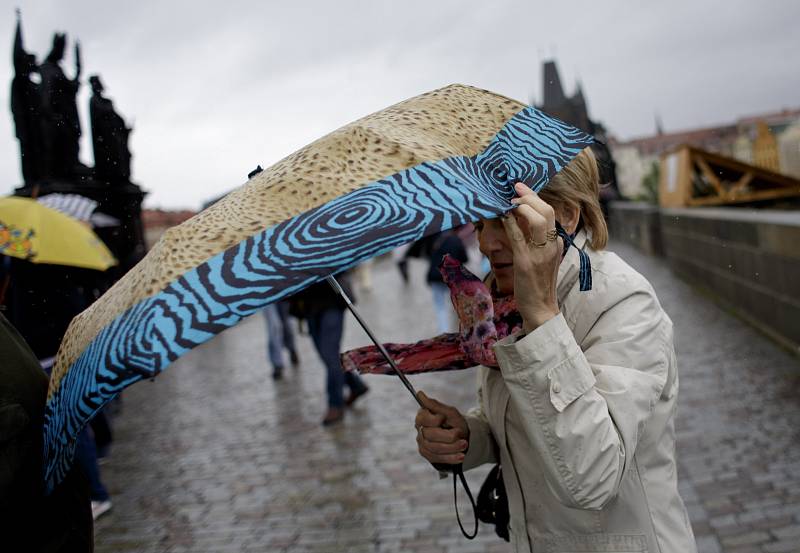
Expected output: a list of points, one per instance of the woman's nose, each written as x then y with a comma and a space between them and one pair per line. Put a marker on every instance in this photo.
490, 238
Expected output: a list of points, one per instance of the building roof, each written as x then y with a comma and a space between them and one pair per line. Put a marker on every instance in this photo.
660, 142
162, 218
650, 145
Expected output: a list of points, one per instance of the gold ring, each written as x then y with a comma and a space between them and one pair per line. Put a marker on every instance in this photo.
551, 236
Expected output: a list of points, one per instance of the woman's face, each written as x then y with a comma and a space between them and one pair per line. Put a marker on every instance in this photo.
494, 244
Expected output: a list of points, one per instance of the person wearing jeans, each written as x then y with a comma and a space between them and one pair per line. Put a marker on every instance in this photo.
279, 336
86, 459
324, 310
446, 243
326, 328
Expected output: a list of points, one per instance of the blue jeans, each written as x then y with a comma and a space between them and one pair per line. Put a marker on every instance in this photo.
442, 305
86, 459
279, 332
326, 330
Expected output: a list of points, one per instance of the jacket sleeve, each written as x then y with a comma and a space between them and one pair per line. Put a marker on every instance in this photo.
584, 411
482, 446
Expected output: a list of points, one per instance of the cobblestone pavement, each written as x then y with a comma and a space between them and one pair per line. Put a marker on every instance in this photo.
216, 457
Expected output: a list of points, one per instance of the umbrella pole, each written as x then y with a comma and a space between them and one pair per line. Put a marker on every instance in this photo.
457, 470
339, 290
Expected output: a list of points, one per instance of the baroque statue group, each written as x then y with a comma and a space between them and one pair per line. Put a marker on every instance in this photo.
44, 107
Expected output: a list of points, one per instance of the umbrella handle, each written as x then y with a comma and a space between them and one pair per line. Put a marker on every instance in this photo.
339, 290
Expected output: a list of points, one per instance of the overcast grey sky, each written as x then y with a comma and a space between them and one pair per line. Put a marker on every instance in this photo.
215, 88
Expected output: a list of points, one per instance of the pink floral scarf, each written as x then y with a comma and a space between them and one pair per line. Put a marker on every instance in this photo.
484, 318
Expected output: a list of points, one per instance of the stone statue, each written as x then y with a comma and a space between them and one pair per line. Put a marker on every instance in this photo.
25, 110
61, 127
112, 158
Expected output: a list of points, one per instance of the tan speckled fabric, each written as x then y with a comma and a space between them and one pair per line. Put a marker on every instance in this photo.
454, 120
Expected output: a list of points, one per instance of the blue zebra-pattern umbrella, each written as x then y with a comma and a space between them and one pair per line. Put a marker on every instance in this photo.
289, 256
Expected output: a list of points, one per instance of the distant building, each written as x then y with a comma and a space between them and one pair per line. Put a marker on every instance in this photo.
570, 109
573, 110
765, 148
156, 221
789, 150
738, 140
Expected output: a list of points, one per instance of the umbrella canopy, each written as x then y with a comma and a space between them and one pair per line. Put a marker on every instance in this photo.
32, 231
425, 165
76, 206
80, 208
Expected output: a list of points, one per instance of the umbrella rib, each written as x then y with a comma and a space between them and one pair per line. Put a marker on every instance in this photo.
339, 290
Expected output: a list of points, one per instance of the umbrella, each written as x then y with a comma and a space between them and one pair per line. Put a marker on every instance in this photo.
422, 166
34, 232
79, 207
74, 205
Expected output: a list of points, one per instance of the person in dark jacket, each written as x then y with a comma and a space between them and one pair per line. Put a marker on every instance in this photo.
447, 243
29, 520
324, 309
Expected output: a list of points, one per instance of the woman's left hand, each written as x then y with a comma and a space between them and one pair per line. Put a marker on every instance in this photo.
537, 255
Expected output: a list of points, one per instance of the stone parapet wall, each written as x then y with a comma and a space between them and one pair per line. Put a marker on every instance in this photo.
637, 223
747, 259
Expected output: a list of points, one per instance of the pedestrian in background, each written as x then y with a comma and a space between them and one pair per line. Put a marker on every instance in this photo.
446, 243
279, 337
324, 309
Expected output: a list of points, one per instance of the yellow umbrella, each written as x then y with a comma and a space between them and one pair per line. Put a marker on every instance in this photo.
31, 231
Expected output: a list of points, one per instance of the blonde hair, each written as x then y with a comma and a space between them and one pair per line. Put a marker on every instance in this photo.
578, 185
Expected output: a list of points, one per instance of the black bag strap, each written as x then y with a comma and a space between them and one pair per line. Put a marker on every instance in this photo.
458, 473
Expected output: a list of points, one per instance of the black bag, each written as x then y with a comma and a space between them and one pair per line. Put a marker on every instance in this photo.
493, 502
318, 297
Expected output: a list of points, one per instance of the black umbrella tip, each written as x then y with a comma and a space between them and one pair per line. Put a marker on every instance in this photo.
254, 172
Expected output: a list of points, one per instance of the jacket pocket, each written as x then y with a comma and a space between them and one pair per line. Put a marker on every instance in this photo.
568, 382
591, 543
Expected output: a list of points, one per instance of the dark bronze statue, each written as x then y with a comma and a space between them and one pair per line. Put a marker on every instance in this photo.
112, 158
43, 102
60, 124
25, 105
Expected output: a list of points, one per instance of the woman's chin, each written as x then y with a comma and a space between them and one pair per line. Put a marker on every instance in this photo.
505, 286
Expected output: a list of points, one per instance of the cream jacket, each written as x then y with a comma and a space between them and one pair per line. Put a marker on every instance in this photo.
581, 416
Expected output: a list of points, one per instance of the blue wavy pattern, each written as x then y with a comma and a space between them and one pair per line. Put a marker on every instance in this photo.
295, 253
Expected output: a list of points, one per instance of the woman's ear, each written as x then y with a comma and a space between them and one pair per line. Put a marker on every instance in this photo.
568, 214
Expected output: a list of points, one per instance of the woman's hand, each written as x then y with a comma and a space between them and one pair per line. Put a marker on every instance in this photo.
442, 432
537, 254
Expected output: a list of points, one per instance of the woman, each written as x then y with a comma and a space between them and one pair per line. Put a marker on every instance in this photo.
580, 413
